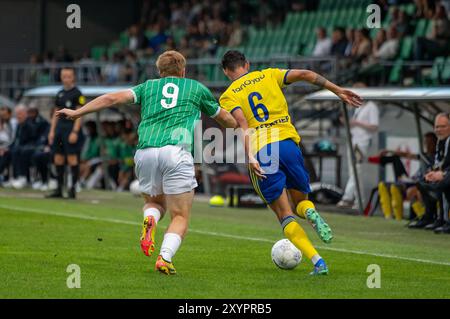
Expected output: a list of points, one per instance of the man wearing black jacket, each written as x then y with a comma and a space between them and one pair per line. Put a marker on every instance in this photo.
22, 148
435, 186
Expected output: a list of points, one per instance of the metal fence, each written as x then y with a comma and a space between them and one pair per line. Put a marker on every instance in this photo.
15, 78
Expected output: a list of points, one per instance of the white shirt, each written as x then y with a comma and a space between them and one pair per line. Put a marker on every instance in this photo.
388, 50
322, 47
368, 113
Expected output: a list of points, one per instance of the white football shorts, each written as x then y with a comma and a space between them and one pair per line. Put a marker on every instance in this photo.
165, 170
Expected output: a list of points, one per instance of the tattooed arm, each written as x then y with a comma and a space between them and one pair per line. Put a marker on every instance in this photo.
347, 96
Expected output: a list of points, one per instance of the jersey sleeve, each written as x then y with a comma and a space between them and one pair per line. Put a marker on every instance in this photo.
208, 104
137, 91
79, 100
279, 75
228, 103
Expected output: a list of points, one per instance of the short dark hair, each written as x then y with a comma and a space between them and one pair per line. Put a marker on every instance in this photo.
233, 59
68, 68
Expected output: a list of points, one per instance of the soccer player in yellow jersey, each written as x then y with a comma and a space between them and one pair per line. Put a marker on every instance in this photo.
276, 166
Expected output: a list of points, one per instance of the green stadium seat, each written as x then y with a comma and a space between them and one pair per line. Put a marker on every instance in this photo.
97, 52
395, 75
421, 28
406, 48
437, 71
446, 72
124, 39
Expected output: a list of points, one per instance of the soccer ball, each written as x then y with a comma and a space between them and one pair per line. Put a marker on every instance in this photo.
134, 188
285, 255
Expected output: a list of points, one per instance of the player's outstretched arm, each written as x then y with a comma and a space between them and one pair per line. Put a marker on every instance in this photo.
225, 119
345, 95
99, 103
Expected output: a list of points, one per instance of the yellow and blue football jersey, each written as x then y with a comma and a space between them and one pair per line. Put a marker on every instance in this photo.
260, 97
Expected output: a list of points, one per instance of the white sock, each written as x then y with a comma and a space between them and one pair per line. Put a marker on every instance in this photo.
153, 212
170, 245
315, 259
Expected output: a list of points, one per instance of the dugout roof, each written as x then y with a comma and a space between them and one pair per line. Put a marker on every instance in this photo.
389, 94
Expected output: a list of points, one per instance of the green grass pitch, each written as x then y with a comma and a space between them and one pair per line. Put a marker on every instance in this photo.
226, 254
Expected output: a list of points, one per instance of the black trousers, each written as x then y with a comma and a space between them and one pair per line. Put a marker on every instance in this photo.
21, 160
42, 160
5, 162
399, 168
432, 193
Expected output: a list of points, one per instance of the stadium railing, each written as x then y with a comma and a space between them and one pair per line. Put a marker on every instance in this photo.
17, 77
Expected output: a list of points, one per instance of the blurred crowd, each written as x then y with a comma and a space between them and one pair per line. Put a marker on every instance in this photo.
362, 49
26, 158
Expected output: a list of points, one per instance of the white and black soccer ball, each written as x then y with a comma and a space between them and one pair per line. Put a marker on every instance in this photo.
285, 255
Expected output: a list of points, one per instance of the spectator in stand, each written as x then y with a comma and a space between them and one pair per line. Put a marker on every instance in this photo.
389, 48
350, 34
111, 142
41, 158
339, 42
127, 147
22, 148
435, 186
136, 40
437, 42
8, 126
236, 34
362, 46
403, 23
323, 43
90, 155
130, 67
185, 49
158, 40
425, 8
380, 38
112, 70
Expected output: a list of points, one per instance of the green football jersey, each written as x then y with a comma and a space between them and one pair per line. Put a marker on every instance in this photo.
170, 108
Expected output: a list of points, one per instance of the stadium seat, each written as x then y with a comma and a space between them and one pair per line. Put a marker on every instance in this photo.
406, 48
437, 75
97, 52
421, 28
395, 75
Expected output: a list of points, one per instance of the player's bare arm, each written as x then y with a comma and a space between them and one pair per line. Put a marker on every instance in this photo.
243, 125
345, 95
99, 103
225, 119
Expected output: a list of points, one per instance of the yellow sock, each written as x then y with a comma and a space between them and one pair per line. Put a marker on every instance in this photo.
385, 200
397, 202
295, 233
418, 208
303, 206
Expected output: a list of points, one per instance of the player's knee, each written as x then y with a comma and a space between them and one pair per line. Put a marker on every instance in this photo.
72, 160
59, 160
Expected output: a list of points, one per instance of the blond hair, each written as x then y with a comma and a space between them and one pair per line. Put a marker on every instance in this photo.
171, 63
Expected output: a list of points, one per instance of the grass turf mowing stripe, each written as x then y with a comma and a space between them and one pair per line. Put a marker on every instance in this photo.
120, 221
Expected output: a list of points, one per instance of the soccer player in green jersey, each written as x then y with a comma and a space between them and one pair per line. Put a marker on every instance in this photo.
170, 108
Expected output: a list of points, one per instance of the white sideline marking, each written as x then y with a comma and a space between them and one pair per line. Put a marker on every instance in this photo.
119, 221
